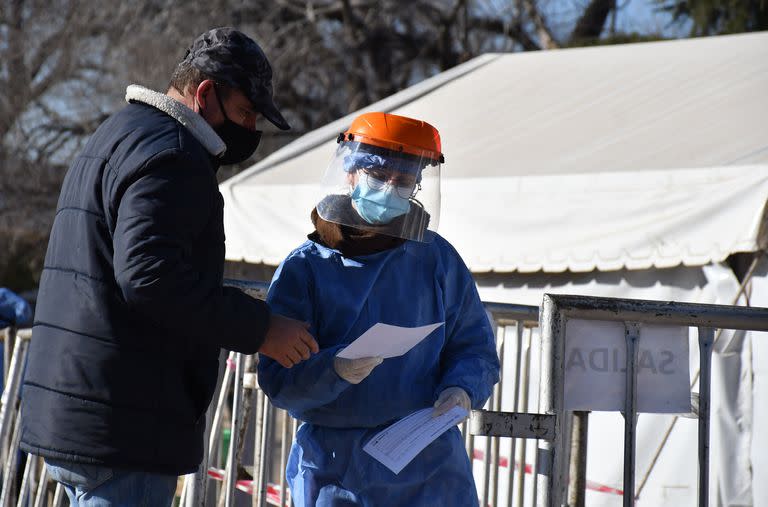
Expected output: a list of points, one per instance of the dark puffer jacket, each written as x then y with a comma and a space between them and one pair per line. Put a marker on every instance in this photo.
131, 311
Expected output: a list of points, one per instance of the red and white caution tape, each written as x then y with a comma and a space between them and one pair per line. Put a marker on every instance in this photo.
504, 462
273, 490
274, 497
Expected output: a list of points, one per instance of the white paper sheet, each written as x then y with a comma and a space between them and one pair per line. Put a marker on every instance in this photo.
385, 340
398, 444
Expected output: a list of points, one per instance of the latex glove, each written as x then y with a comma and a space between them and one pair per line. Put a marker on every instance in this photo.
355, 370
449, 398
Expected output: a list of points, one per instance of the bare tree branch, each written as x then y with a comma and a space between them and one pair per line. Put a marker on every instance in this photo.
590, 24
546, 39
64, 64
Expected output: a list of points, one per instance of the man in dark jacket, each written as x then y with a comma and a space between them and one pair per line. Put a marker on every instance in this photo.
131, 311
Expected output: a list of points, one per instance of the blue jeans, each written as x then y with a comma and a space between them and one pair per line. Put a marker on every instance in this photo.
98, 486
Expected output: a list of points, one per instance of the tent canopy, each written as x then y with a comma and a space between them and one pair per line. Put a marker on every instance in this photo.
615, 157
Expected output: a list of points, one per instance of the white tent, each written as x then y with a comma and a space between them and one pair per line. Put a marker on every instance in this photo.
625, 171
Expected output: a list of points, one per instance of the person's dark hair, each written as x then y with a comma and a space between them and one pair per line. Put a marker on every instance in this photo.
186, 76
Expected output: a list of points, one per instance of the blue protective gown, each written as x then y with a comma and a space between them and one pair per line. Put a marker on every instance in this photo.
412, 285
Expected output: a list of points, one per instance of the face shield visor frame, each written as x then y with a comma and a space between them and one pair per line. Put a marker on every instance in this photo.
395, 192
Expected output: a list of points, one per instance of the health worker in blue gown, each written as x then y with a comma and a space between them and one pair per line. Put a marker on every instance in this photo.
375, 257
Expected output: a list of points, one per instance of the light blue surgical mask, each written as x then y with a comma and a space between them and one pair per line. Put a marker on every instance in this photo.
379, 206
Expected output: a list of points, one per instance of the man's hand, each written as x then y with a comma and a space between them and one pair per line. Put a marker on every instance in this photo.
287, 341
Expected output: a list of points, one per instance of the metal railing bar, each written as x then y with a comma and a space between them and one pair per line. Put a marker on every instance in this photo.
195, 492
632, 337
24, 333
486, 465
508, 314
10, 394
550, 473
223, 394
261, 401
495, 441
42, 486
265, 453
660, 312
234, 434
565, 452
706, 341
516, 407
26, 480
9, 338
741, 291
578, 465
523, 407
505, 314
58, 495
535, 493
9, 471
284, 449
512, 424
470, 445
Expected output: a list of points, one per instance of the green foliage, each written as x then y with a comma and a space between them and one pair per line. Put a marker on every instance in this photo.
714, 17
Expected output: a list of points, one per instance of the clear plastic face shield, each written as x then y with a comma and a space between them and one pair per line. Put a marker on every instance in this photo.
373, 188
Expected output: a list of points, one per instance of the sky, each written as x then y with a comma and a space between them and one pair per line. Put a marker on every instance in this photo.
640, 16
644, 16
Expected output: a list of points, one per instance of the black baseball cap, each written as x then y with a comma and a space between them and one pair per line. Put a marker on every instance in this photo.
233, 58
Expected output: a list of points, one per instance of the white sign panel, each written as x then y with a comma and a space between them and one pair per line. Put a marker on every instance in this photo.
595, 369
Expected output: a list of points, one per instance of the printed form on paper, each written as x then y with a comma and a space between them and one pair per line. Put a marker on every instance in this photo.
398, 444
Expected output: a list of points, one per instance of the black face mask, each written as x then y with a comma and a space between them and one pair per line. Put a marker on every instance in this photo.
241, 142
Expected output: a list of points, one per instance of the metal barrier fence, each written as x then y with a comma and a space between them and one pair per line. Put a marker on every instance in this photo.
544, 439
273, 428
34, 487
556, 310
